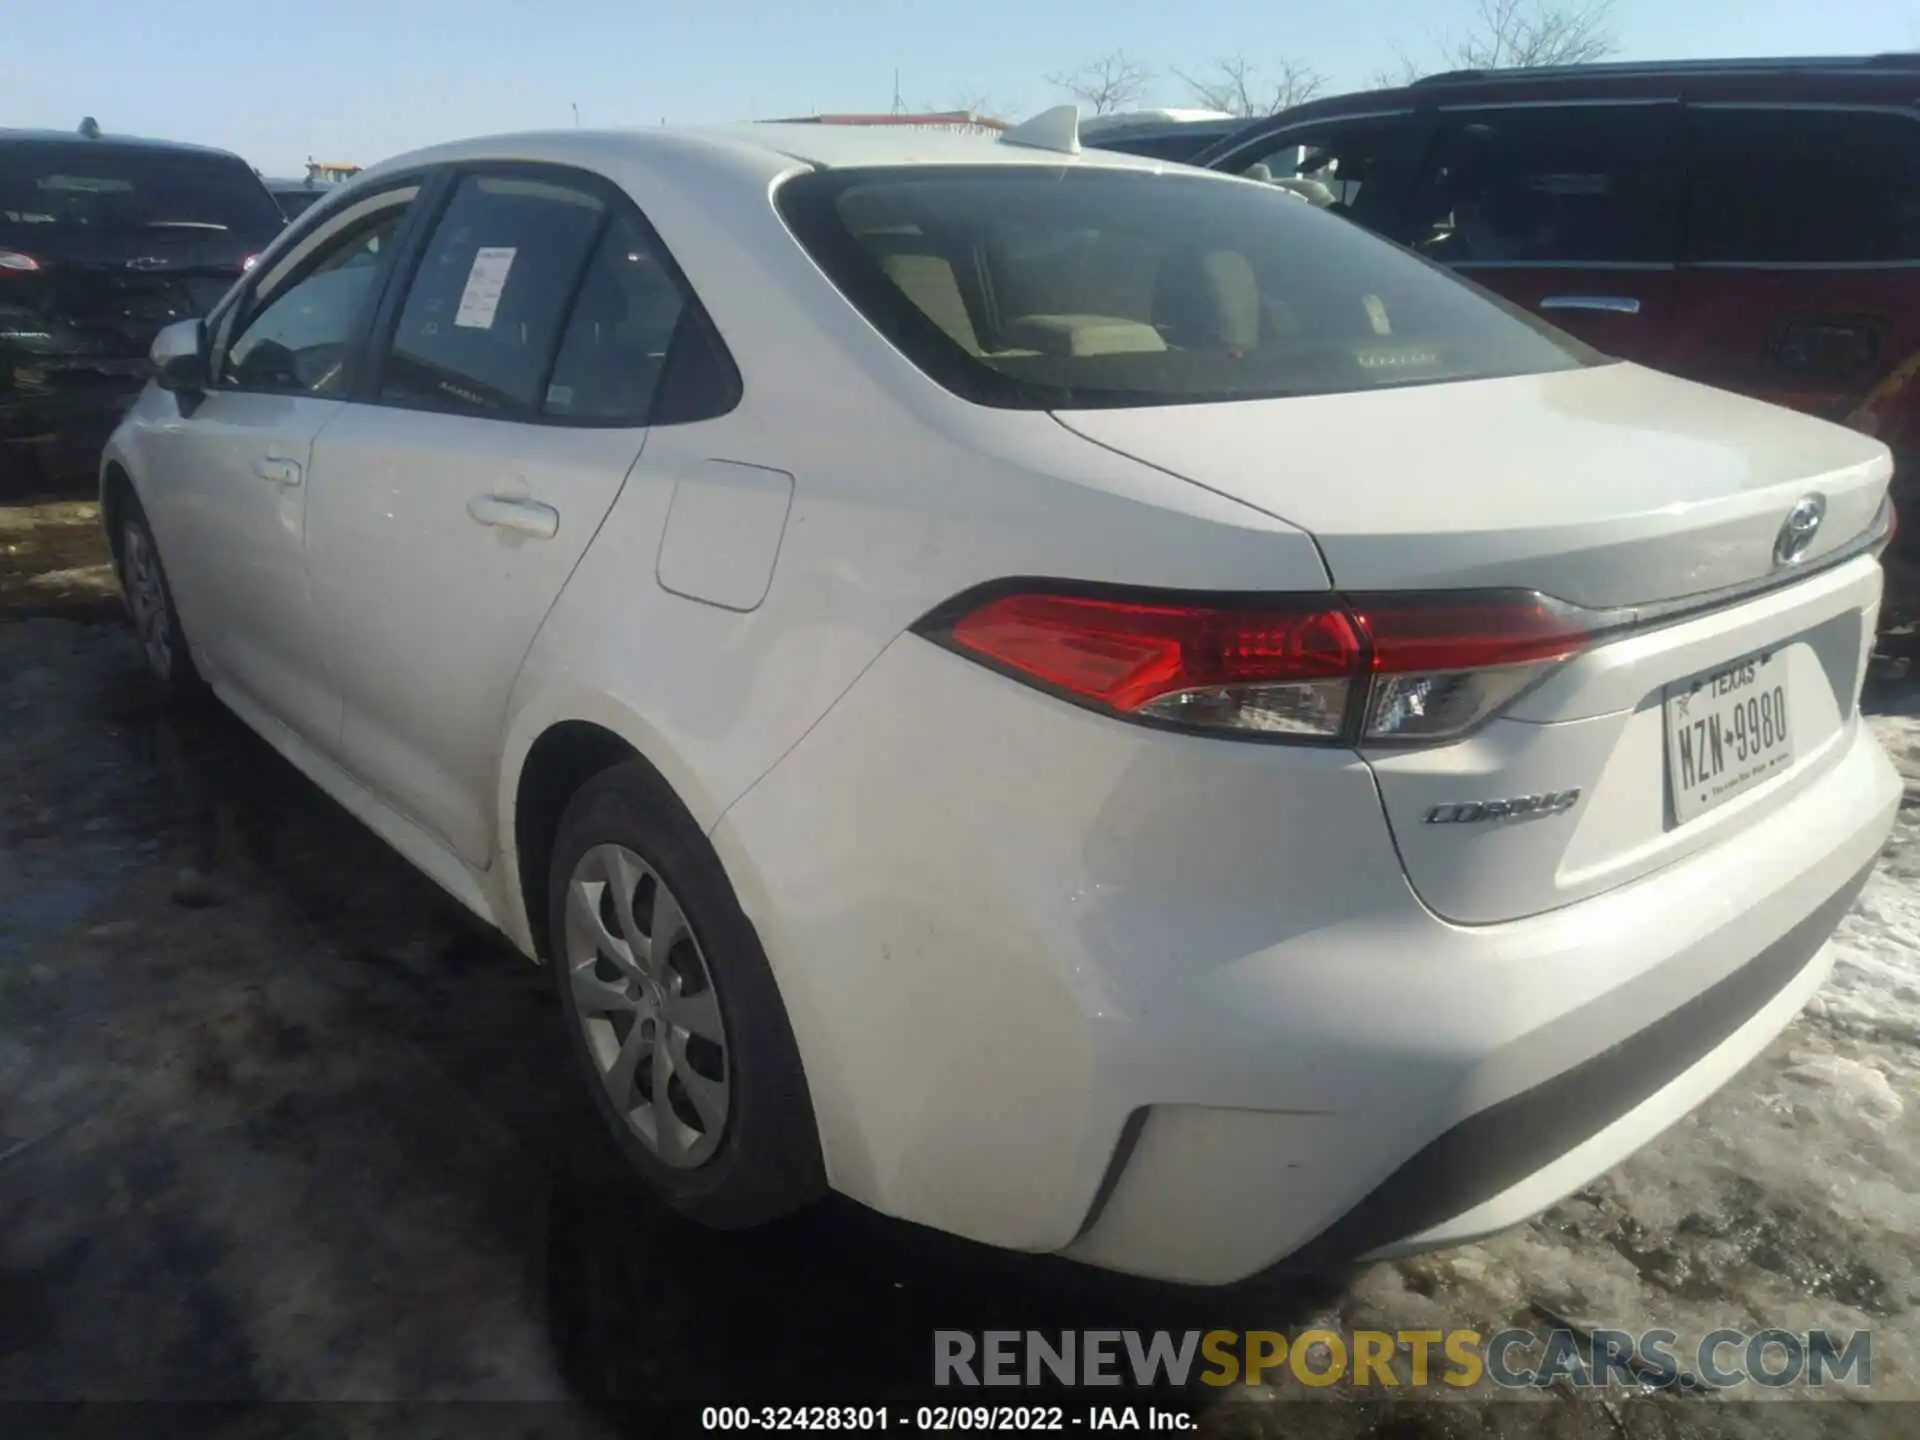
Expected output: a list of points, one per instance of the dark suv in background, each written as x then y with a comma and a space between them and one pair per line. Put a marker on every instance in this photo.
1753, 224
104, 240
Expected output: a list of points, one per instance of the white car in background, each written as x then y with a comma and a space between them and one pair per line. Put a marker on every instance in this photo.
1084, 704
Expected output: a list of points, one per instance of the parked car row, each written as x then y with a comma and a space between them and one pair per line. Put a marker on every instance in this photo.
104, 240
1080, 701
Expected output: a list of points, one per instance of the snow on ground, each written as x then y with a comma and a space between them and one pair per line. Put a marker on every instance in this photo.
1876, 975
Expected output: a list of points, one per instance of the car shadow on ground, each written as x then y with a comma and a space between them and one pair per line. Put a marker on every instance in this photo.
650, 1317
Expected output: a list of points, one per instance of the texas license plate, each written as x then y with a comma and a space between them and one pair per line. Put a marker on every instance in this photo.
1726, 733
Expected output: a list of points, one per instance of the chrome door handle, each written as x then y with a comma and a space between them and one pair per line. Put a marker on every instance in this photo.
1606, 304
281, 472
528, 517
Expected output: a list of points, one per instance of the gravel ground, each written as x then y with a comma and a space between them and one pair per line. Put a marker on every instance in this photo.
276, 1123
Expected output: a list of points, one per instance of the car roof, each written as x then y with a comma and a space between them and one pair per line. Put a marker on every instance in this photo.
771, 147
114, 142
1815, 65
1873, 79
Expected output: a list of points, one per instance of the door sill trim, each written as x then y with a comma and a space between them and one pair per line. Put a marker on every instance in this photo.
418, 848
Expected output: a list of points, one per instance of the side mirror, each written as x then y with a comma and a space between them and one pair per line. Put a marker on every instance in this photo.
179, 357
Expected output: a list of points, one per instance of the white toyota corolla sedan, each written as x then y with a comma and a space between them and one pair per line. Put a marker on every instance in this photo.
1080, 702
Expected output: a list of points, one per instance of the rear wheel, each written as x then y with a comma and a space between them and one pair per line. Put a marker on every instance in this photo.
143, 579
673, 1011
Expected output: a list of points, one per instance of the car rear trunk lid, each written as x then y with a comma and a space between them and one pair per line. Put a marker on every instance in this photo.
1613, 489
1606, 486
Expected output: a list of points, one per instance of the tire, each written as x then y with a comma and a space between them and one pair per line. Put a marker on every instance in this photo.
19, 476
156, 621
735, 1145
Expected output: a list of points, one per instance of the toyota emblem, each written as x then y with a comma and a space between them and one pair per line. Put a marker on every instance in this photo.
1802, 524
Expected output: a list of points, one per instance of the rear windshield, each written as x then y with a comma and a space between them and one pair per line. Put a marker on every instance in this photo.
1179, 145
71, 186
1046, 288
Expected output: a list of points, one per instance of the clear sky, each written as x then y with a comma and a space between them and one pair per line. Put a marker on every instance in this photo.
358, 80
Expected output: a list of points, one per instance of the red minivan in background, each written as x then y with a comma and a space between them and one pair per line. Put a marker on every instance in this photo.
1753, 224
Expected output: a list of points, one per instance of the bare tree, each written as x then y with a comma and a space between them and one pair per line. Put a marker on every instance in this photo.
1239, 87
1402, 72
1113, 82
1506, 34
1510, 33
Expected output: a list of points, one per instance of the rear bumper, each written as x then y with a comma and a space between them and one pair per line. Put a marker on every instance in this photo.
1167, 1004
1505, 1163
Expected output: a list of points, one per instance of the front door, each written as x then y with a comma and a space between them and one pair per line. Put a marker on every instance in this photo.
449, 508
1570, 210
231, 518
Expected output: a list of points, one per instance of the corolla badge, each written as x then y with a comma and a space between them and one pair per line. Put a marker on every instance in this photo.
1802, 524
1517, 807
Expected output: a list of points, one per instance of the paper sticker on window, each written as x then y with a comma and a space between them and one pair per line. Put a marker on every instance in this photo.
1376, 314
481, 299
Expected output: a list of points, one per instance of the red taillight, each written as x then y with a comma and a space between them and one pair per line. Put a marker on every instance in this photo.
1125, 654
1425, 667
1471, 633
17, 261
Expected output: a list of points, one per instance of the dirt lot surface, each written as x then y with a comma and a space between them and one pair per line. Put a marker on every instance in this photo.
276, 1123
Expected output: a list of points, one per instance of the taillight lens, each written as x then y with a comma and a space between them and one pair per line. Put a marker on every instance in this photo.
1286, 670
17, 261
1389, 669
1443, 663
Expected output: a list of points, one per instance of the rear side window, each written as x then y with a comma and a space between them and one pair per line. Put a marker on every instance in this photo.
484, 313
1570, 184
1036, 287
617, 340
1803, 186
70, 188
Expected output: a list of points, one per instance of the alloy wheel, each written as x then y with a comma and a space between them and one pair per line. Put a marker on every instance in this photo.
644, 998
147, 600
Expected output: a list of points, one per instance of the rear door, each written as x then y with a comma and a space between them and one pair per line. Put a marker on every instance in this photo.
1801, 281
449, 506
1570, 209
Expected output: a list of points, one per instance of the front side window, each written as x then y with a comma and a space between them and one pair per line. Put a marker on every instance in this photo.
1803, 186
1550, 185
1037, 287
307, 317
1327, 165
484, 313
